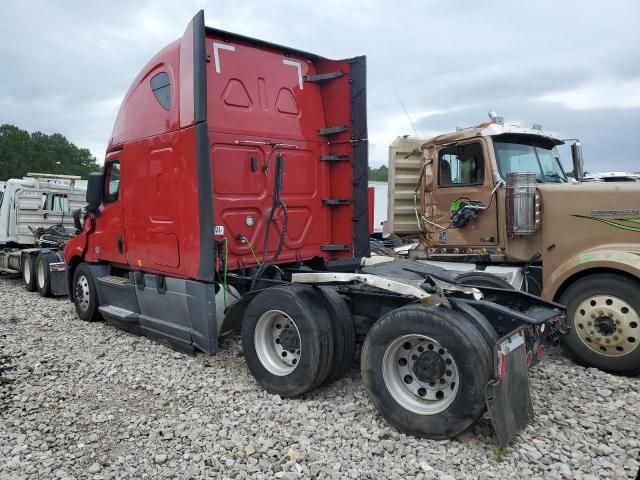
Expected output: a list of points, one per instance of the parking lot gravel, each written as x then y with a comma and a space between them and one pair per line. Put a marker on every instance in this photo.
83, 400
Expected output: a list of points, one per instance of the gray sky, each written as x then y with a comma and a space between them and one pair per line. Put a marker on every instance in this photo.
571, 66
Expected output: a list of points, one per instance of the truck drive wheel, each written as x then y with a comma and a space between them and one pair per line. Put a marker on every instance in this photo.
85, 297
344, 332
604, 315
425, 370
287, 340
29, 272
43, 278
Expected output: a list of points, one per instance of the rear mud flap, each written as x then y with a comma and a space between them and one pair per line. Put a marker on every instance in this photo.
509, 400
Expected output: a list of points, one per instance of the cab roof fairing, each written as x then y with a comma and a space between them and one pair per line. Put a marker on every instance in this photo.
486, 130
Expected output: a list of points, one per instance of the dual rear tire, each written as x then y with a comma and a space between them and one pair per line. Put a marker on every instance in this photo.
36, 274
424, 368
29, 272
296, 338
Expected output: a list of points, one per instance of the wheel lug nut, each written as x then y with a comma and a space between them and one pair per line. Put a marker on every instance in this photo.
619, 330
607, 340
618, 322
590, 323
615, 337
593, 315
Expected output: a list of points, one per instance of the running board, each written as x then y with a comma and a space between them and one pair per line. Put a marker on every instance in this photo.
118, 313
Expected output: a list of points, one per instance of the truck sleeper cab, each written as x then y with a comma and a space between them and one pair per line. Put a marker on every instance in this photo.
235, 193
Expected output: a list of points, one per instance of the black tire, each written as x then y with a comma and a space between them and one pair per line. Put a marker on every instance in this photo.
43, 278
84, 289
602, 285
482, 279
344, 332
29, 272
302, 307
458, 338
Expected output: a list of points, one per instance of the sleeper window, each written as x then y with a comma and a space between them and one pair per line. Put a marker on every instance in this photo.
161, 87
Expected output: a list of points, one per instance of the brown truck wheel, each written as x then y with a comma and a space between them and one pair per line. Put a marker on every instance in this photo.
604, 314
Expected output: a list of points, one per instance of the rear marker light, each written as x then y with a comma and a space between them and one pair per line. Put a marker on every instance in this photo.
502, 366
529, 358
540, 353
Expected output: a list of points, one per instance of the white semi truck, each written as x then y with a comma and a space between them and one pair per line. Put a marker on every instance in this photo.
36, 221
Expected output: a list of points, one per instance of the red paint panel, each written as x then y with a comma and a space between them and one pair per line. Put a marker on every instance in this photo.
257, 91
141, 115
165, 251
233, 174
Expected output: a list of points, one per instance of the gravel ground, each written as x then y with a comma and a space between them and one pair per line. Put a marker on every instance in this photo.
81, 400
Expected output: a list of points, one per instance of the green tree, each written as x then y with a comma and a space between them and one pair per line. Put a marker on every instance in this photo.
380, 174
22, 152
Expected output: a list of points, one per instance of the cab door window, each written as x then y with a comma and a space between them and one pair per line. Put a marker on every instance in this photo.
112, 181
461, 165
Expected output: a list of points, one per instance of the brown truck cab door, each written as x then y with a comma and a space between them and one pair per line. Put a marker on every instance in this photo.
106, 243
463, 174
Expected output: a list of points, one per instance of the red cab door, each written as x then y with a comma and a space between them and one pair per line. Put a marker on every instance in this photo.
107, 241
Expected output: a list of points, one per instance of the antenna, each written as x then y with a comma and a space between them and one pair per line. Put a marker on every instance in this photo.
406, 113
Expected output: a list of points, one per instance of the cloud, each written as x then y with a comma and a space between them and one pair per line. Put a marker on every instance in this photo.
605, 93
571, 66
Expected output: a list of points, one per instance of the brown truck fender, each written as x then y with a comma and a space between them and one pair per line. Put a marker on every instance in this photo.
612, 258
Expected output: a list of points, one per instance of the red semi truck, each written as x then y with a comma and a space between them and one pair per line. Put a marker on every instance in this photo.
234, 193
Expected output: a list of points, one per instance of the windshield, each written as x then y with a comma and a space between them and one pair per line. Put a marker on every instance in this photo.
529, 154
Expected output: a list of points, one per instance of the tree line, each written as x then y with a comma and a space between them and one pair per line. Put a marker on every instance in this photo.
22, 152
380, 174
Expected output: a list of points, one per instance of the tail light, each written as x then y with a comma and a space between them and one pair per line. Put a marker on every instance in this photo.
529, 358
502, 366
540, 353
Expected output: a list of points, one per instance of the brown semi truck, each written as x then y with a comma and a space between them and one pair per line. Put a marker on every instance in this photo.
495, 199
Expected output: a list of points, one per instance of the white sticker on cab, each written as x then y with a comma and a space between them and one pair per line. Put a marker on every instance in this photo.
218, 230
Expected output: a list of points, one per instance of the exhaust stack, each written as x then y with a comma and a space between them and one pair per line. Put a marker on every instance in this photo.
521, 203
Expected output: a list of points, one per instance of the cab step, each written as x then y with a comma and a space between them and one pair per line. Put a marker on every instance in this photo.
118, 313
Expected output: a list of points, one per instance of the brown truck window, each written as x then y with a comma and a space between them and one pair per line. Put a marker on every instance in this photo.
461, 165
112, 181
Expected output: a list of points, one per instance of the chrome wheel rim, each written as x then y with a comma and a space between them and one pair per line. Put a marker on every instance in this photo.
277, 342
608, 325
26, 271
420, 374
40, 275
82, 293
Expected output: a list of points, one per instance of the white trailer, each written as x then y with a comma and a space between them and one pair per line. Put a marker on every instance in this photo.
36, 220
